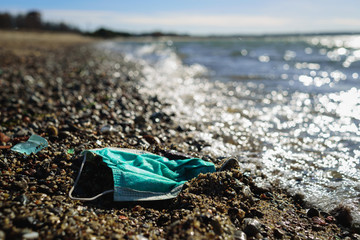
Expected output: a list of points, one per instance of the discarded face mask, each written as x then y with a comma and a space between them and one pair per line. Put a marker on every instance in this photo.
143, 176
33, 145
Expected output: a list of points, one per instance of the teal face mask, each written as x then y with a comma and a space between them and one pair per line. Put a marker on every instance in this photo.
143, 176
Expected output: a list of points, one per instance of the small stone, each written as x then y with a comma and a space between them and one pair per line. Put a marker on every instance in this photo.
318, 221
107, 129
2, 235
21, 185
256, 213
31, 235
239, 235
236, 213
140, 120
278, 234
354, 236
247, 192
152, 140
26, 119
65, 135
251, 226
54, 219
59, 198
342, 215
4, 138
312, 212
21, 133
229, 164
141, 237
158, 116
216, 226
52, 131
25, 221
356, 227
22, 199
44, 189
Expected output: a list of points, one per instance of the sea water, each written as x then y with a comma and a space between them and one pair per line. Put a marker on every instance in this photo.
289, 106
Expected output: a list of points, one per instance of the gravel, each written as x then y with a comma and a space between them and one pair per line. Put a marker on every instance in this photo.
71, 96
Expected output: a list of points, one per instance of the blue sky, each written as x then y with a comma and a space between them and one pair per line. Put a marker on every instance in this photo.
199, 16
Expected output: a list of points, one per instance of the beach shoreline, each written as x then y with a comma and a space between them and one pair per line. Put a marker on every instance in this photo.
63, 88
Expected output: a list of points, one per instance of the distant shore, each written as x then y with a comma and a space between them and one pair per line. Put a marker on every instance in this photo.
62, 88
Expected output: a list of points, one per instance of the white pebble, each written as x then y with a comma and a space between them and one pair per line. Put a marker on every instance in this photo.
31, 235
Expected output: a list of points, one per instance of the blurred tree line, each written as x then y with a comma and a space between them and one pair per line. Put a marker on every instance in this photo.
32, 21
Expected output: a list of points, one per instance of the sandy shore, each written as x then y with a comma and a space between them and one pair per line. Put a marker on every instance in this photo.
62, 88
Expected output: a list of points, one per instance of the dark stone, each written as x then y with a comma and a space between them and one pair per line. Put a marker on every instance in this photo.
312, 212
229, 164
251, 226
20, 185
23, 199
355, 227
342, 215
140, 120
256, 213
152, 140
278, 234
45, 189
159, 116
299, 199
25, 221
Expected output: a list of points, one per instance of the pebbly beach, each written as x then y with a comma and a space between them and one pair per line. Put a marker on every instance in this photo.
77, 96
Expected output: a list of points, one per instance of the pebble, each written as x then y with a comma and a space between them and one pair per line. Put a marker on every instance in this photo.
52, 131
4, 138
247, 192
239, 235
278, 234
21, 185
356, 236
107, 129
152, 140
23, 199
229, 164
251, 226
342, 215
31, 235
312, 212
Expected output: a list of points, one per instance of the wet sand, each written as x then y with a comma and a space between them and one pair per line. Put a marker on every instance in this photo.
61, 87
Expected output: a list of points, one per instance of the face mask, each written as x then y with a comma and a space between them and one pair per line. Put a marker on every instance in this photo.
143, 176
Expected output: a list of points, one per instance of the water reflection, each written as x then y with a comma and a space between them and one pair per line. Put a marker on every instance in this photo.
295, 105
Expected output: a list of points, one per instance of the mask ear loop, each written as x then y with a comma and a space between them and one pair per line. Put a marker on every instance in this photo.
76, 181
